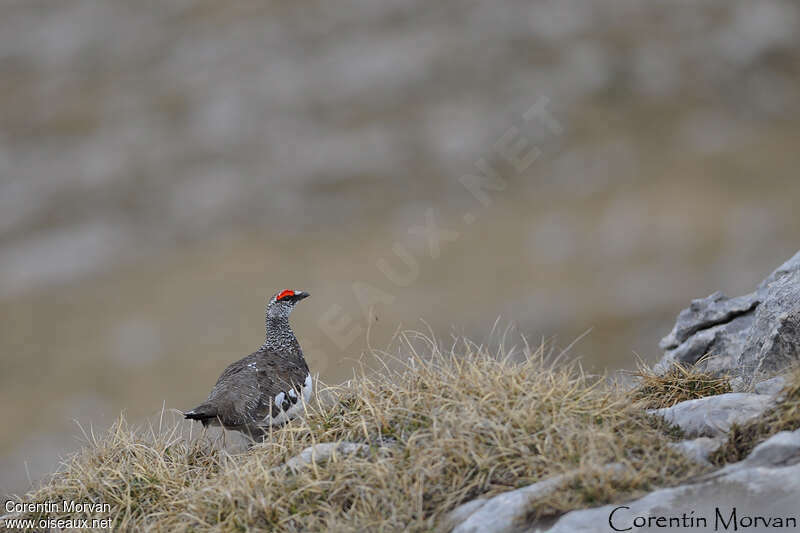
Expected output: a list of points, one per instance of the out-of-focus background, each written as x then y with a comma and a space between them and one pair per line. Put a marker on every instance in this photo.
166, 166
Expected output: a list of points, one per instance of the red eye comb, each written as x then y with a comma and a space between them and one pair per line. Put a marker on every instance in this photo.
285, 294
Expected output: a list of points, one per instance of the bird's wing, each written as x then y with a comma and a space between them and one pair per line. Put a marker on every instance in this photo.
236, 393
256, 387
281, 385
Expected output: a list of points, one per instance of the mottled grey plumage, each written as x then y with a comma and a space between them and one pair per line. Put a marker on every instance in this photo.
266, 388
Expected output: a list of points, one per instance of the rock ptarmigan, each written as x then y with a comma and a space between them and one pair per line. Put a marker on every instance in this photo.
266, 388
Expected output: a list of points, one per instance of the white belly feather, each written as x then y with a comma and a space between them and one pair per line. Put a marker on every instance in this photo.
296, 409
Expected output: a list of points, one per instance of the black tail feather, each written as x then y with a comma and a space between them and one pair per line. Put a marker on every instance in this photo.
204, 413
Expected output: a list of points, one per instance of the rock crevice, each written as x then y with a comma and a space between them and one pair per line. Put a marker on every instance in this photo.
746, 336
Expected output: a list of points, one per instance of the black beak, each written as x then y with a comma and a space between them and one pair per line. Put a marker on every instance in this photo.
302, 295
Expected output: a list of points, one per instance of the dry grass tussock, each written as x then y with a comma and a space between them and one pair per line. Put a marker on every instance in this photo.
678, 384
443, 427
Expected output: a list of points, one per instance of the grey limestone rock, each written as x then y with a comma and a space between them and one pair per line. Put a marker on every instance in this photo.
771, 387
780, 450
323, 452
699, 449
713, 416
766, 484
745, 336
508, 512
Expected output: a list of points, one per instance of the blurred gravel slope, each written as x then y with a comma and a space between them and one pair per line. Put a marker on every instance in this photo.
165, 166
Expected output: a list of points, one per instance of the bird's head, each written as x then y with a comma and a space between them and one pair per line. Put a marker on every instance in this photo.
282, 304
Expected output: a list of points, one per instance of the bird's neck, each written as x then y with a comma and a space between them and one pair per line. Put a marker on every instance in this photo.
280, 336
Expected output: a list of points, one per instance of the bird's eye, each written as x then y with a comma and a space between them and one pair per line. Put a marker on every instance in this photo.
285, 294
